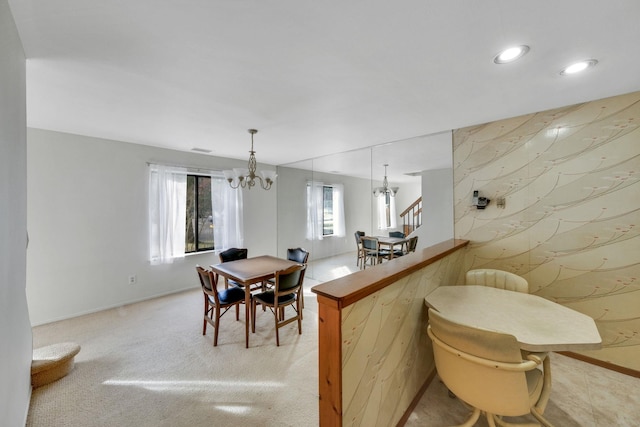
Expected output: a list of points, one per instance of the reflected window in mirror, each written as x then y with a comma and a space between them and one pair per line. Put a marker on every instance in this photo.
325, 210
386, 211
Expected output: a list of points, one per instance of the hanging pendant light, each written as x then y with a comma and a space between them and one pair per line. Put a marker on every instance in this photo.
247, 178
385, 190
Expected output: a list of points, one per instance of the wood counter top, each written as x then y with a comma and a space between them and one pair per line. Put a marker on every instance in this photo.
347, 290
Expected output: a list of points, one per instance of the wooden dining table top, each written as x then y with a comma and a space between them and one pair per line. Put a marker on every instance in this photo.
252, 270
537, 323
392, 240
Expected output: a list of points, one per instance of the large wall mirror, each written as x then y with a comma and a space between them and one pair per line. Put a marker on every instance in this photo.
323, 201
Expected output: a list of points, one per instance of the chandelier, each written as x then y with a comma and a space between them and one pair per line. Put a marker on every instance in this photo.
247, 178
385, 190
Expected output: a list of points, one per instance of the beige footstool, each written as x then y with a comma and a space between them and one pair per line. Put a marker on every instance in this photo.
52, 362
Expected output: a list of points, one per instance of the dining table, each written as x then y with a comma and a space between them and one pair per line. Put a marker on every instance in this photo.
250, 271
539, 324
391, 242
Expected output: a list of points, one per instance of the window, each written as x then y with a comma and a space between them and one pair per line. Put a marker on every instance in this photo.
386, 211
325, 210
199, 215
190, 213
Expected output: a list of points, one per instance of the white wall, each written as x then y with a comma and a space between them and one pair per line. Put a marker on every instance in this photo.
437, 207
87, 218
15, 330
292, 212
437, 198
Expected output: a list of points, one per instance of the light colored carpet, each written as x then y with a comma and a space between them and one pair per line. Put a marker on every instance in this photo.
583, 395
147, 364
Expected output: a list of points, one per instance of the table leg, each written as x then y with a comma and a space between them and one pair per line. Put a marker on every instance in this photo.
247, 308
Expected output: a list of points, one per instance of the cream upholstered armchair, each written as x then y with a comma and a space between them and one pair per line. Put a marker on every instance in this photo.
497, 279
485, 369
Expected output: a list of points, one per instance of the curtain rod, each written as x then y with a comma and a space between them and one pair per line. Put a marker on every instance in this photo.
189, 168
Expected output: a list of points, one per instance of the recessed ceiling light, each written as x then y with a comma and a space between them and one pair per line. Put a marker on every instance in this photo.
578, 67
511, 54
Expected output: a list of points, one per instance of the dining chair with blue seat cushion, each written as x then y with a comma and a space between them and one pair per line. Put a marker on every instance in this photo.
412, 244
404, 249
217, 300
486, 371
398, 234
286, 292
235, 254
372, 251
299, 255
360, 254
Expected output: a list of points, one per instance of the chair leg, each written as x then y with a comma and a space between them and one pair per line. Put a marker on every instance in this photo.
206, 313
300, 307
499, 421
540, 418
472, 419
491, 421
216, 327
276, 312
237, 311
541, 404
253, 316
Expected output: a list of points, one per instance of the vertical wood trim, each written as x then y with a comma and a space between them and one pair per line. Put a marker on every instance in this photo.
330, 362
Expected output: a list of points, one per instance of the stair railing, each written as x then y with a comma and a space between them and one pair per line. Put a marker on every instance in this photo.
412, 217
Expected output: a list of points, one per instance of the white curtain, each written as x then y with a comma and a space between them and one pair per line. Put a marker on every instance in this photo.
227, 214
387, 212
315, 209
167, 213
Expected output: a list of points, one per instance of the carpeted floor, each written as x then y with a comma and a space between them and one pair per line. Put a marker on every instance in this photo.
147, 364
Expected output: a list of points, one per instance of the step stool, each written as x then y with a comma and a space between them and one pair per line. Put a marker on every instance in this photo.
52, 362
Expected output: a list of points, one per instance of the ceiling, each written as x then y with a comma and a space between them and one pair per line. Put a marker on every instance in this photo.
314, 77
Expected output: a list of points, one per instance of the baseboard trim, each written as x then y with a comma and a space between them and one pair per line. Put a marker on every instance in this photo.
601, 363
416, 399
112, 306
26, 412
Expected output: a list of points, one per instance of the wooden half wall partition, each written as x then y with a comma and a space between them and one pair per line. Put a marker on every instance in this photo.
374, 354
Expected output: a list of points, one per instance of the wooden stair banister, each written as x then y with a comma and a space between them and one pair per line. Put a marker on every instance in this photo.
412, 217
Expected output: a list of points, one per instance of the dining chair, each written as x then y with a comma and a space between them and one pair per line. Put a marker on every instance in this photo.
372, 251
360, 253
399, 234
215, 301
403, 249
412, 244
497, 279
234, 254
286, 292
299, 255
487, 372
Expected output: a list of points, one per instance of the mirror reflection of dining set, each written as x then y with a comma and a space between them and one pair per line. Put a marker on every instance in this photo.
373, 250
274, 284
